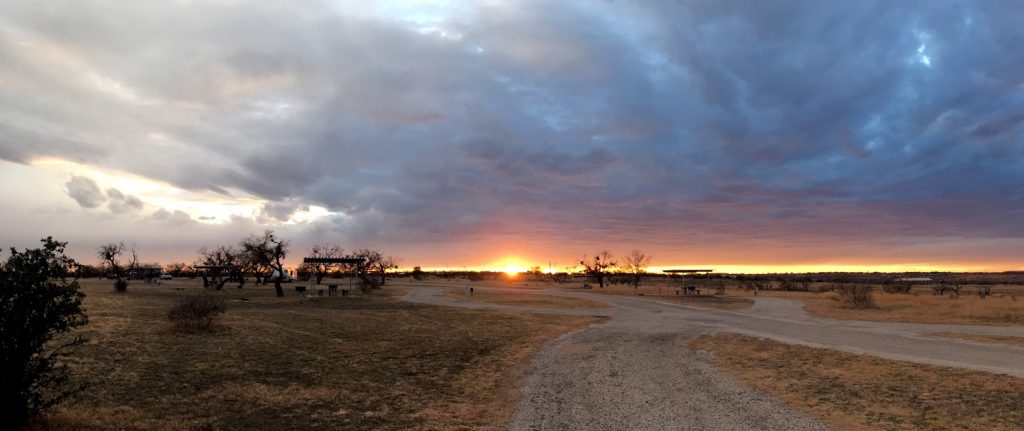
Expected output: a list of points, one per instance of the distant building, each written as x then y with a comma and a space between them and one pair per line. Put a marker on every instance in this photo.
149, 273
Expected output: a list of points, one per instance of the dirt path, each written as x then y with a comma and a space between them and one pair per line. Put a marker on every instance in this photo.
635, 372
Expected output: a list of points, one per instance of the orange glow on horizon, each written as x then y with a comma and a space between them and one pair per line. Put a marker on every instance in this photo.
513, 268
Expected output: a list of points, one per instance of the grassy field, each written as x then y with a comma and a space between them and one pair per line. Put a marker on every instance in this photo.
1004, 307
523, 299
371, 362
858, 392
661, 292
919, 307
709, 301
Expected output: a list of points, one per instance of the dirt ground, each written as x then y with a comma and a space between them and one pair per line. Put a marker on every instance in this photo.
858, 392
525, 299
275, 363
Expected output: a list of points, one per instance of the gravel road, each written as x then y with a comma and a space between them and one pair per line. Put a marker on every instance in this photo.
634, 372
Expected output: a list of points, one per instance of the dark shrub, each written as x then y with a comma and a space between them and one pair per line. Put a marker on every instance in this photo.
38, 301
121, 286
855, 295
194, 314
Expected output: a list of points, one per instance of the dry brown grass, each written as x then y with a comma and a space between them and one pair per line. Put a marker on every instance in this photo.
523, 299
719, 302
996, 339
1003, 308
859, 392
923, 309
671, 293
370, 362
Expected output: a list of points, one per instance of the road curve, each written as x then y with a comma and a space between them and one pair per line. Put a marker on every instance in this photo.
613, 375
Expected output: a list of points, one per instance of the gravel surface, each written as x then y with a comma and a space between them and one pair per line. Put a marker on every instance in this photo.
625, 376
635, 372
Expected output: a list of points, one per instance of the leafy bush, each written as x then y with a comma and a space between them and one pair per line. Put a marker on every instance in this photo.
194, 314
120, 286
39, 300
855, 296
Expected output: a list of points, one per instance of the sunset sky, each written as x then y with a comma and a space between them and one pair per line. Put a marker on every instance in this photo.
736, 135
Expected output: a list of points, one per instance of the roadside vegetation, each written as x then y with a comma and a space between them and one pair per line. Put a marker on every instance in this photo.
1008, 340
860, 392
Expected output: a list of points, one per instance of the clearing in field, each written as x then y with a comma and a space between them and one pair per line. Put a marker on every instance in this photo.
275, 363
522, 299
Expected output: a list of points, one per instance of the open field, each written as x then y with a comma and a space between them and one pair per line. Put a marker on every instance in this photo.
1003, 307
523, 299
328, 363
708, 301
858, 392
926, 309
919, 307
665, 293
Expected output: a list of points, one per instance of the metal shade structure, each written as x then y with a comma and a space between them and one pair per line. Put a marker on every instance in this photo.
687, 271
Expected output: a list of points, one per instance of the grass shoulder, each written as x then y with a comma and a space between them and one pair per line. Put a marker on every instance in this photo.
1008, 340
923, 309
859, 392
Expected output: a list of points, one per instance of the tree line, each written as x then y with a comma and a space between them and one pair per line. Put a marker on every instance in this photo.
259, 257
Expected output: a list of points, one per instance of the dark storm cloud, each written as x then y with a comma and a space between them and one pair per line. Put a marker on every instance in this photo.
723, 119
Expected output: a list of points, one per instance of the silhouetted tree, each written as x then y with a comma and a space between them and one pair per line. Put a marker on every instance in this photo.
417, 273
269, 251
39, 300
323, 251
110, 254
176, 269
598, 266
227, 259
636, 265
88, 271
377, 263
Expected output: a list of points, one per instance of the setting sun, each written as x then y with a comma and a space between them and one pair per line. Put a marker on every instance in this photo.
513, 269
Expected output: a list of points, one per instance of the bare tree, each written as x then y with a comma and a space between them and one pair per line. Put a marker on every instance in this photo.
377, 263
267, 250
636, 263
598, 266
110, 255
329, 251
176, 269
228, 261
386, 263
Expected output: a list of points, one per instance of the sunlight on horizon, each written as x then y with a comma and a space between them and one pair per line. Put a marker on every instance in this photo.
203, 206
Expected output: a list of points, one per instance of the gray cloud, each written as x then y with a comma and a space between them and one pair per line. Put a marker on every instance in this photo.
85, 191
174, 218
672, 121
122, 203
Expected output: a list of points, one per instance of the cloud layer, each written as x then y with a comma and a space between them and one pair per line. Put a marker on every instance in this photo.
720, 125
